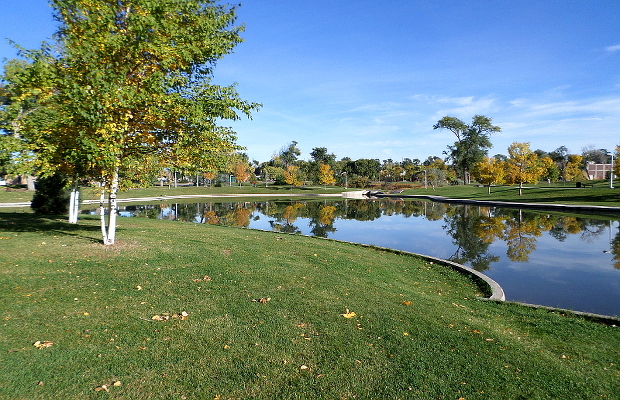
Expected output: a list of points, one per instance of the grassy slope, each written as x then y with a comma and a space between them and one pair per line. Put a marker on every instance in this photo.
95, 304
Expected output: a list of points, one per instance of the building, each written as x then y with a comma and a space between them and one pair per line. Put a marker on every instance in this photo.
597, 171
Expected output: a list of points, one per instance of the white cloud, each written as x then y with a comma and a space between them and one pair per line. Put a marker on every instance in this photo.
613, 48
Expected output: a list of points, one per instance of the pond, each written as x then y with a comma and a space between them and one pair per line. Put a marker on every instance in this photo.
564, 260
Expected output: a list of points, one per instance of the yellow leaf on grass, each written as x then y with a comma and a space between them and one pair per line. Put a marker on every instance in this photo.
407, 302
349, 314
41, 345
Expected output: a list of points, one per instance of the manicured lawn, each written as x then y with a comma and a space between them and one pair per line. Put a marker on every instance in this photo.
267, 320
600, 194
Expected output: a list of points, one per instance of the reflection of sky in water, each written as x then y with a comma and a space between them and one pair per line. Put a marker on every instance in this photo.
574, 273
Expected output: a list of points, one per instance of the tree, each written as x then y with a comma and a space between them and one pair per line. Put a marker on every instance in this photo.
522, 165
51, 196
573, 170
488, 172
597, 156
473, 141
18, 102
287, 155
326, 175
292, 175
241, 172
133, 79
551, 172
320, 155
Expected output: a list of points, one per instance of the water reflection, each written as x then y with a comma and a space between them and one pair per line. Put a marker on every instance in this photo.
527, 252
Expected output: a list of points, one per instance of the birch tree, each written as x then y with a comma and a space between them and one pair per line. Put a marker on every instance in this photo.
132, 80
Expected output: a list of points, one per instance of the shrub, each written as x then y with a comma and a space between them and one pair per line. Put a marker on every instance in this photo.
51, 196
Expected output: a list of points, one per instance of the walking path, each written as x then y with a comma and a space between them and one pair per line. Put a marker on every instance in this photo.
190, 196
508, 204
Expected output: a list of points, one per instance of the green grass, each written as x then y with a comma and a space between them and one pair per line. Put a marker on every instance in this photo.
600, 194
419, 331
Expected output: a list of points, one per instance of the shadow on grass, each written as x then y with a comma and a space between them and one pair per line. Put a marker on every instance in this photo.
23, 222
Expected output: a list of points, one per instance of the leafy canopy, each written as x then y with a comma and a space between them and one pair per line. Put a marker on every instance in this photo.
132, 80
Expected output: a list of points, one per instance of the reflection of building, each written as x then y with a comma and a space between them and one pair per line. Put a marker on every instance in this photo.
597, 171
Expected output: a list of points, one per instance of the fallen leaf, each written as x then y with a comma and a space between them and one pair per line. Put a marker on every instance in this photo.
304, 367
102, 387
262, 300
348, 314
41, 345
407, 302
117, 383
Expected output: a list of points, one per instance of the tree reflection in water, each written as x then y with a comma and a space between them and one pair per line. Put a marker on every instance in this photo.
472, 229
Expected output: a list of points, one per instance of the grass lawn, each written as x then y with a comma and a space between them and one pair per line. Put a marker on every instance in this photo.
600, 194
267, 319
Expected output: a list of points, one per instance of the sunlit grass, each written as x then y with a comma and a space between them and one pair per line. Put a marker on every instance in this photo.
419, 330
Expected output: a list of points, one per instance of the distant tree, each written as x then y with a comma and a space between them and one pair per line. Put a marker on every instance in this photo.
523, 165
287, 155
473, 141
241, 171
573, 170
292, 175
364, 167
597, 156
559, 155
320, 155
210, 175
489, 171
326, 175
551, 172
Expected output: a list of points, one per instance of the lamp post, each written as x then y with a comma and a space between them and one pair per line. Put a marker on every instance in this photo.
611, 172
346, 179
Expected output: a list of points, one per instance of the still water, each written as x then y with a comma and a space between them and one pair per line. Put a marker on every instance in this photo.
567, 261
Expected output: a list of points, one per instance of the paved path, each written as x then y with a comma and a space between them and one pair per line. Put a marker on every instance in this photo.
510, 204
191, 196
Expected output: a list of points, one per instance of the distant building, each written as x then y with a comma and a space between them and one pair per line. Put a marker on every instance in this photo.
597, 171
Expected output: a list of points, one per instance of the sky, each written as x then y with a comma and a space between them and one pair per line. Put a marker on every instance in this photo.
369, 79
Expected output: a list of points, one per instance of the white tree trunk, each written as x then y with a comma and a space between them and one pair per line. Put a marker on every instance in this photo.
74, 206
30, 182
113, 211
109, 232
104, 231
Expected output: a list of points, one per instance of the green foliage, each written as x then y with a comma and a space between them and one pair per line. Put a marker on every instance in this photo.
51, 196
472, 142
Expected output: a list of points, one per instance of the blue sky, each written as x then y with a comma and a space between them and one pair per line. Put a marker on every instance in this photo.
368, 79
